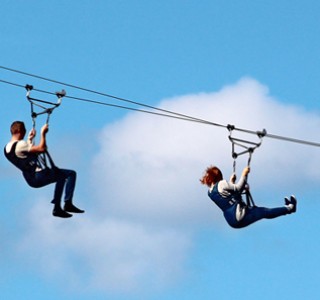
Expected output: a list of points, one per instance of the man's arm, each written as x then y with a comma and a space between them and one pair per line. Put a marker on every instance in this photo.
42, 146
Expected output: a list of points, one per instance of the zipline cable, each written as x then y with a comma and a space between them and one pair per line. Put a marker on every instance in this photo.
102, 94
167, 113
185, 118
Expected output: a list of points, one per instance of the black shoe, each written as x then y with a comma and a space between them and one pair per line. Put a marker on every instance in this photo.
59, 212
287, 201
68, 206
293, 201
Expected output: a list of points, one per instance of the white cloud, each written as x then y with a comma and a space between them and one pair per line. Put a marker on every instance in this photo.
147, 200
110, 254
149, 167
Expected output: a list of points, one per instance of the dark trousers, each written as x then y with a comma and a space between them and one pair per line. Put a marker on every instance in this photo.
61, 177
253, 214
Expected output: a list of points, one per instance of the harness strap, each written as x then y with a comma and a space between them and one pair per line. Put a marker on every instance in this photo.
48, 156
249, 199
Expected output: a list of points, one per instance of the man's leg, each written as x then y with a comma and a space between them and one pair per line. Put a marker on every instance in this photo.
60, 179
48, 176
70, 178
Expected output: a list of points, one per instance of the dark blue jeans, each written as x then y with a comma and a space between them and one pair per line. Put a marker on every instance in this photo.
253, 214
62, 178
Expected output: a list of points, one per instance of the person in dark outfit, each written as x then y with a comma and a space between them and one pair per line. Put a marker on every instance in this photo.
24, 155
227, 196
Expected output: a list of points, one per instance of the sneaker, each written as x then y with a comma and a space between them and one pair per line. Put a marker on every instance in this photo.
293, 201
69, 207
287, 201
58, 212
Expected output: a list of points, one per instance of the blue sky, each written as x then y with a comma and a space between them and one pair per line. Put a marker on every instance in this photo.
150, 231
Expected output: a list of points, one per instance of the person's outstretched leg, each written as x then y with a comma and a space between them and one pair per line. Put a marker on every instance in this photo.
291, 203
255, 213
